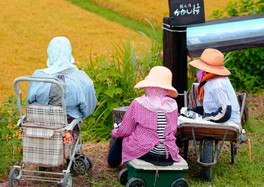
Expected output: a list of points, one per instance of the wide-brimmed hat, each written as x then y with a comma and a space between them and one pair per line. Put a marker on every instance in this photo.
161, 77
211, 61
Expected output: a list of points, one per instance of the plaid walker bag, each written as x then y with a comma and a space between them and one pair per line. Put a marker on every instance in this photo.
43, 133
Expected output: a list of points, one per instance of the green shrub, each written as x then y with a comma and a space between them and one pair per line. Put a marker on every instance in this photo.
247, 68
114, 79
246, 65
10, 136
239, 8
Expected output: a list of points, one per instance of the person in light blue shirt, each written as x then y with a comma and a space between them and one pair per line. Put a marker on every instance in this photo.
215, 90
79, 90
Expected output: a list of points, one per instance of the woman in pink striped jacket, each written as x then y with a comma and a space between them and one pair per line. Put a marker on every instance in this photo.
148, 128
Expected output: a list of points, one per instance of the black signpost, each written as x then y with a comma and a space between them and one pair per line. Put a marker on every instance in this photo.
175, 56
186, 12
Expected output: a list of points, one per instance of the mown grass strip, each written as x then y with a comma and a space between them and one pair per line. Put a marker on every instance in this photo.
115, 17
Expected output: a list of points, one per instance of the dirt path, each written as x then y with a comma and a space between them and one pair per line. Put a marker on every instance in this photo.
107, 177
97, 152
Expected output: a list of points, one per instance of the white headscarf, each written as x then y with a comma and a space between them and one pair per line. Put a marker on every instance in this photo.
59, 55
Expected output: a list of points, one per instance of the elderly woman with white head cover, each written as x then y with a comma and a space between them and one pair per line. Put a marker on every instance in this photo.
79, 88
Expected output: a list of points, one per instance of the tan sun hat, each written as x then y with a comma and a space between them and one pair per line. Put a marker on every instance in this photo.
211, 61
161, 77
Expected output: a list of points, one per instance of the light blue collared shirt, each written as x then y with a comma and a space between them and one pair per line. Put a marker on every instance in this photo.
220, 92
80, 93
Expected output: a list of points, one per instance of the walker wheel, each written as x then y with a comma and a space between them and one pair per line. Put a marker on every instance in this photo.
135, 182
181, 182
67, 180
13, 177
122, 176
80, 166
89, 162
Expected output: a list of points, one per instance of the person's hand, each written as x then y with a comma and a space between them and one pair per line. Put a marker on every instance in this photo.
184, 111
190, 113
116, 125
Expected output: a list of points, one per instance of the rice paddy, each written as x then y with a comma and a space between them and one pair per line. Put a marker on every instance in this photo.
28, 26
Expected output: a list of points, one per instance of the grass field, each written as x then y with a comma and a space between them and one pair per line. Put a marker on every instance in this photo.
27, 27
152, 10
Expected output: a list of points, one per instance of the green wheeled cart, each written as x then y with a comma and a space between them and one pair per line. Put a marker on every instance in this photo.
139, 173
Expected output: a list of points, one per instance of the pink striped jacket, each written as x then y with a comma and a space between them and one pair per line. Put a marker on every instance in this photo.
139, 132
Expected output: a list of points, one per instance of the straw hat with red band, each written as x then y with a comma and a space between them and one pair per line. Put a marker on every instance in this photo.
161, 77
211, 61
